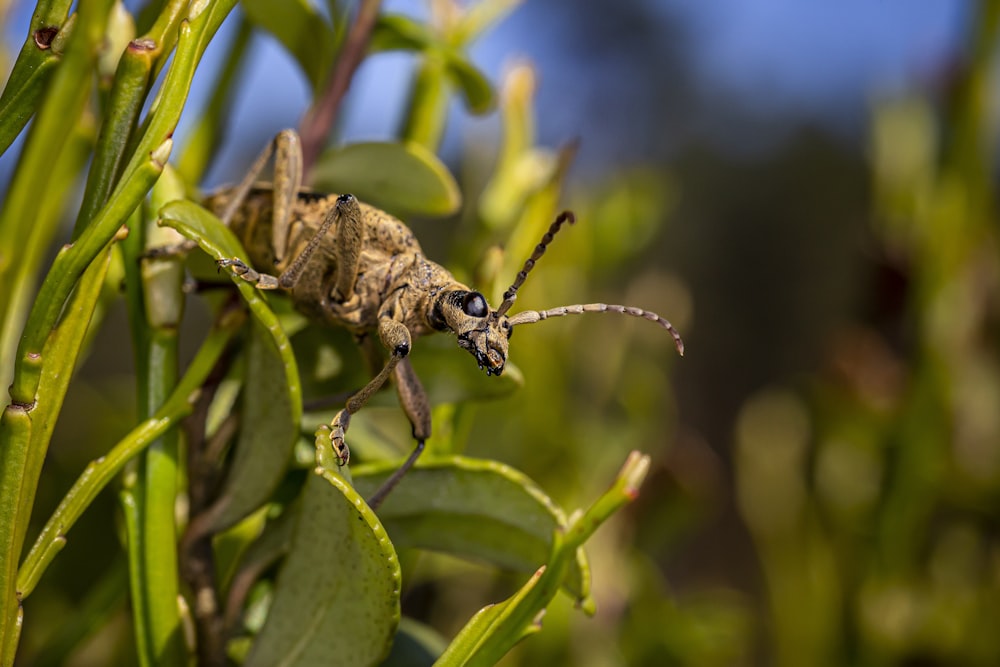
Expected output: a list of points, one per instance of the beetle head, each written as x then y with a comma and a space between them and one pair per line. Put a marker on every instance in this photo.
479, 329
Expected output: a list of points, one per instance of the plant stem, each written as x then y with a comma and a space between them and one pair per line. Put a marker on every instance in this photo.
319, 119
101, 471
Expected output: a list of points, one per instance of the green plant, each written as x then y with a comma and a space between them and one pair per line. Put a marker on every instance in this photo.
260, 498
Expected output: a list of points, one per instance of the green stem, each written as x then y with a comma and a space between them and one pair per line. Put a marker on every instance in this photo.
24, 435
210, 130
101, 471
35, 63
428, 106
20, 224
137, 178
319, 119
155, 307
128, 92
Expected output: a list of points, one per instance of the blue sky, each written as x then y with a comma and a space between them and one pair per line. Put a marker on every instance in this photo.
813, 52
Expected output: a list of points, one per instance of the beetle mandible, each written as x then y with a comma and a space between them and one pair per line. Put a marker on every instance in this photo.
351, 265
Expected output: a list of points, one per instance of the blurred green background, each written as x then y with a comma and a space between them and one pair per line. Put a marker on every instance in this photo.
809, 195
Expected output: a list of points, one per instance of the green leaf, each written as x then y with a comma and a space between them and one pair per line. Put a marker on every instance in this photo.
301, 30
268, 432
197, 224
336, 601
427, 109
401, 178
494, 630
476, 509
396, 32
466, 649
477, 90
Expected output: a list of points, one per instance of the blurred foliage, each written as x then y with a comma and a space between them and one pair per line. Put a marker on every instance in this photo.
870, 489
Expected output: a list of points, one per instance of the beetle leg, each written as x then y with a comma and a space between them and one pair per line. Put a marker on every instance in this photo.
350, 238
287, 181
241, 269
286, 186
413, 398
239, 194
347, 214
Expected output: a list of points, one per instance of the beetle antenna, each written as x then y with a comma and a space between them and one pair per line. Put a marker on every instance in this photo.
511, 294
532, 316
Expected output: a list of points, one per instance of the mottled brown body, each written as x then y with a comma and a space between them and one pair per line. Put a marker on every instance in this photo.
394, 278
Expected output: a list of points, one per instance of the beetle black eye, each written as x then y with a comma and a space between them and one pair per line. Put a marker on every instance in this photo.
474, 304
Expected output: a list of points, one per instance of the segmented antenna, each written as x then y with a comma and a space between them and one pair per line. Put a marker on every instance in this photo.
511, 294
532, 316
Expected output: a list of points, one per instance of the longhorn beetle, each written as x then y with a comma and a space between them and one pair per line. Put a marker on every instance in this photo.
351, 265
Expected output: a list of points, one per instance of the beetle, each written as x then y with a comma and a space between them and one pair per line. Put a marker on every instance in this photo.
348, 264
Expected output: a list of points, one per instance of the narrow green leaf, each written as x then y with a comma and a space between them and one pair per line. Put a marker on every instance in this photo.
401, 178
480, 17
466, 649
132, 513
20, 223
25, 431
476, 509
210, 129
23, 279
143, 169
40, 53
336, 602
125, 100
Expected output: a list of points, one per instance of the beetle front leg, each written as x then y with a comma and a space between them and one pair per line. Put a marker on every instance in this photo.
241, 269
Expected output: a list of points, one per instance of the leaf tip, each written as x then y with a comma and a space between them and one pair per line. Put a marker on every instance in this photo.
633, 473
